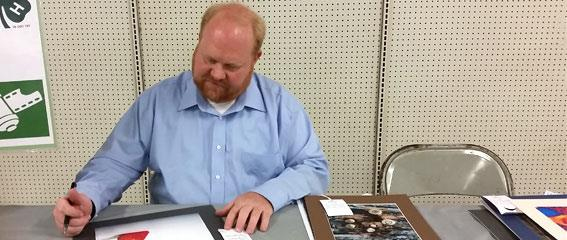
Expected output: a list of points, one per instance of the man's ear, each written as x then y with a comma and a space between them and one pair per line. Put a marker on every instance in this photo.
258, 54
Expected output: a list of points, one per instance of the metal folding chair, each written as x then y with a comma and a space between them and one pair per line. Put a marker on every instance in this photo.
464, 169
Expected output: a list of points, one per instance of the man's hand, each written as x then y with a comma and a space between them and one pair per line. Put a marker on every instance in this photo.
75, 205
247, 209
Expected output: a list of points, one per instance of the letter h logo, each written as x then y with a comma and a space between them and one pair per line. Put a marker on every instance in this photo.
14, 10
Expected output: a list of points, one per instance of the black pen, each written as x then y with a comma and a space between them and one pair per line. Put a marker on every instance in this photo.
67, 218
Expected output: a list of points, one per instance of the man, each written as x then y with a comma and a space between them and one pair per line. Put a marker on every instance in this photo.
220, 134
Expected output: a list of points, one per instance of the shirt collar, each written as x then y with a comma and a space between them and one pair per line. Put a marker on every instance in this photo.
189, 95
251, 97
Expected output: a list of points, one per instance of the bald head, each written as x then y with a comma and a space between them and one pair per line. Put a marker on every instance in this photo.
238, 14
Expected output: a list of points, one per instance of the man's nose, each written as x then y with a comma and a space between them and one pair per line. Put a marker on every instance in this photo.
217, 73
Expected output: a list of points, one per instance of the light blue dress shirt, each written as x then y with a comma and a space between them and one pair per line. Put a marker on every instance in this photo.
264, 143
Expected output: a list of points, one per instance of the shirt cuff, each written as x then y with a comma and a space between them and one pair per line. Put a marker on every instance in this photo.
274, 194
93, 210
94, 196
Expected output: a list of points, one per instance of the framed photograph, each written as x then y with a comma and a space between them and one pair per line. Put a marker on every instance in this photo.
199, 222
549, 214
374, 218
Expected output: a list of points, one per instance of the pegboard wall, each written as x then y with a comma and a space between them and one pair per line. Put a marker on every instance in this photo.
490, 73
373, 75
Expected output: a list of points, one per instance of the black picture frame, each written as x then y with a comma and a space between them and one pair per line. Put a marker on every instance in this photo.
207, 213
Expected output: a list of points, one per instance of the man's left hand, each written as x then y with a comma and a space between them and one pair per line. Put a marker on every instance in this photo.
250, 209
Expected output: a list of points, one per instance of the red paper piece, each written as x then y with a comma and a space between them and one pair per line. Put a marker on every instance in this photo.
141, 235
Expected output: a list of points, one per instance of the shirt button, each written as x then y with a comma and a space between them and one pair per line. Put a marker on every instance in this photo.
217, 177
218, 147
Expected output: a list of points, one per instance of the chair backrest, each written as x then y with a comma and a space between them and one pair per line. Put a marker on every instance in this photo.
461, 169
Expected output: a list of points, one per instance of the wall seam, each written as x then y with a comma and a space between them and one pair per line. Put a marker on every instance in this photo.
380, 102
139, 77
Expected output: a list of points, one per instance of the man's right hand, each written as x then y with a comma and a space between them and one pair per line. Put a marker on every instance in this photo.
77, 207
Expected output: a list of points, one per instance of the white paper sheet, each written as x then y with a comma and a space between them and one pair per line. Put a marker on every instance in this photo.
336, 207
305, 218
503, 204
23, 82
234, 235
171, 228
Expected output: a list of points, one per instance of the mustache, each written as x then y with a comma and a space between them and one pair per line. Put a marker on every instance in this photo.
207, 78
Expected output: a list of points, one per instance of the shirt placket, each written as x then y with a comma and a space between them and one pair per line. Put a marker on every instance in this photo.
218, 156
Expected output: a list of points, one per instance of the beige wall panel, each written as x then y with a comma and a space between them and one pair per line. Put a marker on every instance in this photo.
490, 73
325, 52
88, 58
